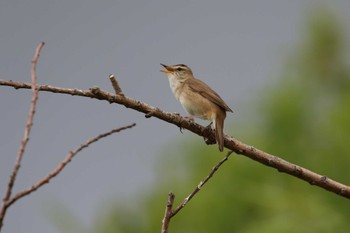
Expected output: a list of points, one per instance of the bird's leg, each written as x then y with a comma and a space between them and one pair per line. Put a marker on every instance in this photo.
209, 126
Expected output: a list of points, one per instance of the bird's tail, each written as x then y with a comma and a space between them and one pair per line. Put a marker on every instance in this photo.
219, 129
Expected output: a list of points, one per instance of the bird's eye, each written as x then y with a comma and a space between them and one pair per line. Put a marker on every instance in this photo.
179, 69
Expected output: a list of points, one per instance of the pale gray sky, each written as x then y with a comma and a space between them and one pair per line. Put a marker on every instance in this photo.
234, 46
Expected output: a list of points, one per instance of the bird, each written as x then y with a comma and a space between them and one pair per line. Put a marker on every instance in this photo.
197, 98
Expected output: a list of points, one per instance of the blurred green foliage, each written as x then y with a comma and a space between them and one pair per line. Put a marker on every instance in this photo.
304, 118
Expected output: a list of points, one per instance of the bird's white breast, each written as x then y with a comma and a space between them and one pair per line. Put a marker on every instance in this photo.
175, 86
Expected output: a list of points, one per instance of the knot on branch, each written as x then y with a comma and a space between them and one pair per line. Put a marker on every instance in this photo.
100, 94
151, 113
96, 91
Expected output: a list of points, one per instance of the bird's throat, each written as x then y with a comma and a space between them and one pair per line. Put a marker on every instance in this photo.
176, 85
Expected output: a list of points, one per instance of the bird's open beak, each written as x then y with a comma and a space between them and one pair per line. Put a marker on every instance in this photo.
168, 69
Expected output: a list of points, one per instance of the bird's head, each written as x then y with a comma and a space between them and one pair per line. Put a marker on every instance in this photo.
179, 71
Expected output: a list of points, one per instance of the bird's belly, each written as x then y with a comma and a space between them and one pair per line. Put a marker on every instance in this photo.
198, 107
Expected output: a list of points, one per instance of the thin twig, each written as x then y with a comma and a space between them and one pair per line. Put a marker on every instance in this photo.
115, 84
60, 167
200, 185
27, 130
168, 211
231, 143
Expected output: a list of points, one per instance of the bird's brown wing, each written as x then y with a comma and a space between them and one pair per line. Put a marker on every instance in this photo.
200, 87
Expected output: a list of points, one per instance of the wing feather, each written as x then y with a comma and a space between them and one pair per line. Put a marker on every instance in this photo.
200, 87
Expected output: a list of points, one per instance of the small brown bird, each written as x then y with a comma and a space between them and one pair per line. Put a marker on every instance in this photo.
198, 99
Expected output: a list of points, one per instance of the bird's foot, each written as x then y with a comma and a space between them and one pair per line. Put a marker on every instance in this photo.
209, 141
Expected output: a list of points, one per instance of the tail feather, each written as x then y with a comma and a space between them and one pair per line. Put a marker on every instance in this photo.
219, 130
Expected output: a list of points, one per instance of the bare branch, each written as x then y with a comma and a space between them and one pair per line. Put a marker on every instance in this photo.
115, 84
7, 203
168, 213
230, 143
28, 125
27, 130
200, 185
62, 165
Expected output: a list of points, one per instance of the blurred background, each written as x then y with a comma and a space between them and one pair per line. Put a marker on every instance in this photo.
283, 66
